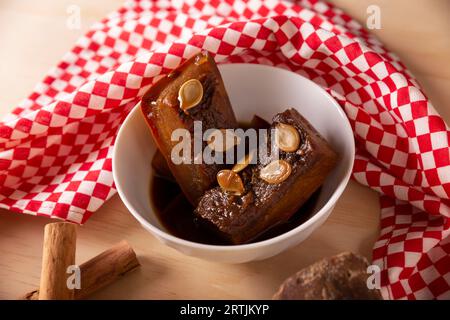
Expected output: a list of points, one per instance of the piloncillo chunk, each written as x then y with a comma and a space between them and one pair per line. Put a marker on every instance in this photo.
341, 277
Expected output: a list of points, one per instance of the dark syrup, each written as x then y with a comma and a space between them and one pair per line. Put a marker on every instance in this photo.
176, 214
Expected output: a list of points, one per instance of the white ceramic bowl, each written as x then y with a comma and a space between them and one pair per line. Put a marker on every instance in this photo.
253, 89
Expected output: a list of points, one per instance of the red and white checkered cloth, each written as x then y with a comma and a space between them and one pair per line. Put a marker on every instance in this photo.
55, 147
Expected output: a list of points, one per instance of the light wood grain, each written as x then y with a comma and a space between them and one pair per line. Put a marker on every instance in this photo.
33, 37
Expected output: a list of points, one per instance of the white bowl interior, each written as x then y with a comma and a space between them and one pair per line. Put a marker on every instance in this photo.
253, 89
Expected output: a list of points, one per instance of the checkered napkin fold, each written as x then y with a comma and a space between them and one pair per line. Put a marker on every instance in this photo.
56, 146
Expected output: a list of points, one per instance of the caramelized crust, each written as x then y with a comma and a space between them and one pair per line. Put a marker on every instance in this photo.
161, 109
239, 219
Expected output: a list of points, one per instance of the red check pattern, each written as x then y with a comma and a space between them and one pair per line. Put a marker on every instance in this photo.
55, 147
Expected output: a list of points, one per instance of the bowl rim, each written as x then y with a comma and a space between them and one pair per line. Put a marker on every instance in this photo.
326, 208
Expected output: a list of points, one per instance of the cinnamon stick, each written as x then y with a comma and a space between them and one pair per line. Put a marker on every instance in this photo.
102, 270
58, 253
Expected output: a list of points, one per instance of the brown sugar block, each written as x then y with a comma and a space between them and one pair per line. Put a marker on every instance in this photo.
341, 277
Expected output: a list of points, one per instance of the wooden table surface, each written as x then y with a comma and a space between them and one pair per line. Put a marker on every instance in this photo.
33, 36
